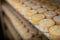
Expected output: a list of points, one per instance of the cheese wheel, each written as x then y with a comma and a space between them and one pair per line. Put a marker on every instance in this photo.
24, 9
50, 14
35, 7
46, 24
54, 32
30, 13
52, 8
58, 11
19, 8
42, 10
37, 18
28, 3
57, 19
46, 5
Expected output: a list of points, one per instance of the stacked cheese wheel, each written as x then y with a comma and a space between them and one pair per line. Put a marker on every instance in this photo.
47, 15
49, 4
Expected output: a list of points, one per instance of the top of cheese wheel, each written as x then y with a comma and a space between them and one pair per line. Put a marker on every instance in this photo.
25, 7
31, 11
35, 6
57, 18
42, 9
47, 22
38, 16
50, 14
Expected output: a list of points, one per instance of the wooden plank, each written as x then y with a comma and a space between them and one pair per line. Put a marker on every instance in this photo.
11, 29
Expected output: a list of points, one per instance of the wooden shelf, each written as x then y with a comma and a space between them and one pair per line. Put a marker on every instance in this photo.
13, 8
15, 18
16, 6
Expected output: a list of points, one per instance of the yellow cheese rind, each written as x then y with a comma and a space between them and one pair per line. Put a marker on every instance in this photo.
37, 18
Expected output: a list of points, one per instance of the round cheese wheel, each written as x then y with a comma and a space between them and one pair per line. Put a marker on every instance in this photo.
19, 8
57, 19
30, 13
50, 14
54, 32
37, 18
46, 5
42, 10
46, 24
52, 8
25, 9
58, 11
28, 3
35, 7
